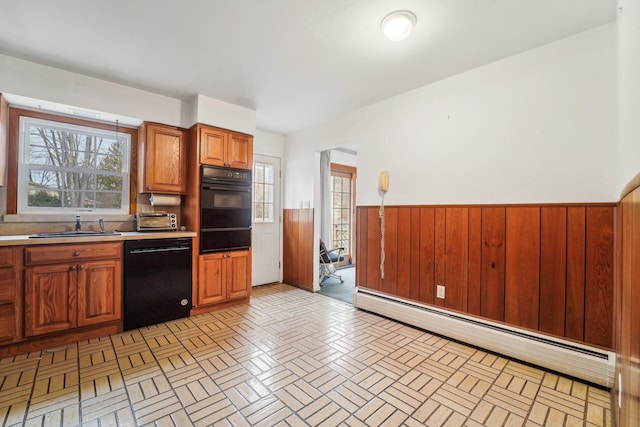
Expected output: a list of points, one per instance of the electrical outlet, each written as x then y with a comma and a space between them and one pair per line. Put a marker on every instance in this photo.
440, 291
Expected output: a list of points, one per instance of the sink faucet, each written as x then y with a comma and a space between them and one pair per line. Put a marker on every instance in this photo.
78, 225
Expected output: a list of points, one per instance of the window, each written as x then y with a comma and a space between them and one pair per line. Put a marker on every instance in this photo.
72, 167
263, 192
342, 208
341, 211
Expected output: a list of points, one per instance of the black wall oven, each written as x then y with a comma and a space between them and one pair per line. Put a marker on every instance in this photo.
225, 209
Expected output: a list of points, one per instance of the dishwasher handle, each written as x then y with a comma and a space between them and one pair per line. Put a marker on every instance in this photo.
153, 250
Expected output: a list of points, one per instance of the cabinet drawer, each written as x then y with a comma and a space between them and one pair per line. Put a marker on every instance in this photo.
53, 254
7, 257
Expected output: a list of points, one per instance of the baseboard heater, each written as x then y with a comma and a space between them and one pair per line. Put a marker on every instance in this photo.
580, 361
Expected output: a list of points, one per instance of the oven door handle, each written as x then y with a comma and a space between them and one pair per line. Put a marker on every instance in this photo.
236, 188
225, 229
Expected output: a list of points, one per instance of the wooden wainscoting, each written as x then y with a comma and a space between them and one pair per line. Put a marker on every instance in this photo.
628, 309
297, 250
548, 268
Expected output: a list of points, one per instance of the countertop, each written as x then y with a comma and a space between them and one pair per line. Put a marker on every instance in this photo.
24, 239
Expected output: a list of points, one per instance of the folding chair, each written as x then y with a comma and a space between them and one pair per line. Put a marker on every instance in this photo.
327, 258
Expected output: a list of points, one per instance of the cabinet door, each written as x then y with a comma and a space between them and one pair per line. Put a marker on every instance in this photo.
50, 299
10, 292
165, 166
213, 146
240, 151
99, 292
238, 283
211, 276
8, 330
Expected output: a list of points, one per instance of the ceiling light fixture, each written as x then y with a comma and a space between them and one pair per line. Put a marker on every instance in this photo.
398, 25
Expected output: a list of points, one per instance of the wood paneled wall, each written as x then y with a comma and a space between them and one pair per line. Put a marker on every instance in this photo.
548, 268
297, 250
628, 309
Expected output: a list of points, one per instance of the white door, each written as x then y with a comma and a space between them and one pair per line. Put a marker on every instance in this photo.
266, 220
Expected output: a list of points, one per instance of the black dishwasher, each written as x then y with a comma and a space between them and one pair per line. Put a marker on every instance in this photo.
157, 281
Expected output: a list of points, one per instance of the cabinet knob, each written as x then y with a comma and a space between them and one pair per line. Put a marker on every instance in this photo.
81, 267
76, 253
72, 267
148, 187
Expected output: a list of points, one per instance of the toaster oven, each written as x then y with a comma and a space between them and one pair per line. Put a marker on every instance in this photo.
156, 221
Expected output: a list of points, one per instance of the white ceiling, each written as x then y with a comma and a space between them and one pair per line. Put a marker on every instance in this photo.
295, 62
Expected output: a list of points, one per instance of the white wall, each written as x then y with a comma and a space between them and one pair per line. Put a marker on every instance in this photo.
37, 81
28, 79
219, 113
343, 158
629, 89
537, 127
268, 143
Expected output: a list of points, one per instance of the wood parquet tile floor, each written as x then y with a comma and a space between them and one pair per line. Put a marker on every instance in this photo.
288, 358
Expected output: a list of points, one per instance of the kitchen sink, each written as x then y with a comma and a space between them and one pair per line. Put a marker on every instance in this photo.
87, 233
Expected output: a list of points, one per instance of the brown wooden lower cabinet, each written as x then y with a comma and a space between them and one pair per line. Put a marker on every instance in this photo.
50, 299
69, 294
8, 321
223, 276
99, 292
548, 268
10, 295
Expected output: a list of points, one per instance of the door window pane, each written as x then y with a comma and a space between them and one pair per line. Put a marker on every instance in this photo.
263, 192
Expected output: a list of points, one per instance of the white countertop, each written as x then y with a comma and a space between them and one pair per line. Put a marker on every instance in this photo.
24, 239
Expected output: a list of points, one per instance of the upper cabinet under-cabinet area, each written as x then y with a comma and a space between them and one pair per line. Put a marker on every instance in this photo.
219, 147
162, 159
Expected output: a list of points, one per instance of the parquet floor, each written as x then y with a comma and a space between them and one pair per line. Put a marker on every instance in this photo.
288, 358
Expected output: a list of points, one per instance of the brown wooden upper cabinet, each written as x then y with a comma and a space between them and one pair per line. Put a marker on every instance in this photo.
219, 147
163, 159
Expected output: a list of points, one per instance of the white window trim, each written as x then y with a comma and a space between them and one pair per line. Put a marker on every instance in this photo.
22, 182
263, 203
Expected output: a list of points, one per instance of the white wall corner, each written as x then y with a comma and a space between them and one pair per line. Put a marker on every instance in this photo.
189, 112
222, 114
268, 143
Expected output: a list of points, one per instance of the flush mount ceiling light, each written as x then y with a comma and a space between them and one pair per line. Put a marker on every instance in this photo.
398, 25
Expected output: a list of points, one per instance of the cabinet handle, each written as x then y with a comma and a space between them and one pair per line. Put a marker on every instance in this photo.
72, 268
148, 187
76, 253
81, 267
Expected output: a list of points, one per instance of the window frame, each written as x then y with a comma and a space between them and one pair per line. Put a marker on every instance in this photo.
351, 172
14, 149
263, 203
